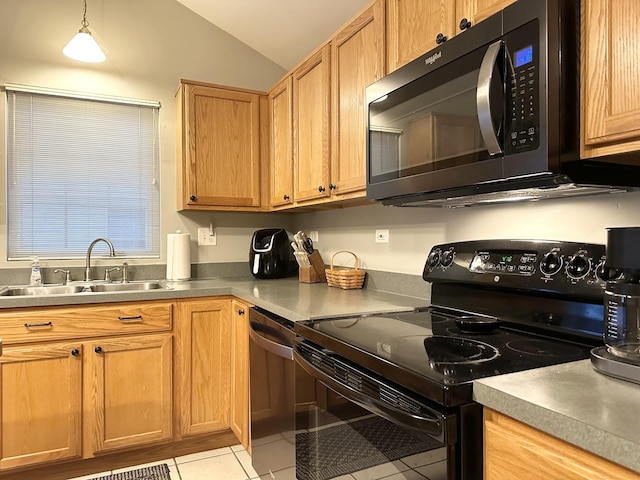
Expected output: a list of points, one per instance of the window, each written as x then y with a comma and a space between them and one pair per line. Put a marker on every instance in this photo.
78, 169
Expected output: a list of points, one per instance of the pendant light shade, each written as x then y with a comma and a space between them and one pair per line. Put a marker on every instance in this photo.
82, 46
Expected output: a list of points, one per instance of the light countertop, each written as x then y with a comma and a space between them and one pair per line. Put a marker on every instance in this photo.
285, 297
572, 402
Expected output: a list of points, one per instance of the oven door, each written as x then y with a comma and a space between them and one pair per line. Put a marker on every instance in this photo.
351, 422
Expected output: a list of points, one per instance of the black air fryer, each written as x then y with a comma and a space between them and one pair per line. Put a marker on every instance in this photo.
271, 255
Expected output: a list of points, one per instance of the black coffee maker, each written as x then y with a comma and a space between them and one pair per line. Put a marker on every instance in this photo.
620, 357
271, 255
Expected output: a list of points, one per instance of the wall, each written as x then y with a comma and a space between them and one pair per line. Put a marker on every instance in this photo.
413, 231
150, 45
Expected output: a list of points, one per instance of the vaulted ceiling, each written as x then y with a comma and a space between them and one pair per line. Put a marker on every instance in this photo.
284, 31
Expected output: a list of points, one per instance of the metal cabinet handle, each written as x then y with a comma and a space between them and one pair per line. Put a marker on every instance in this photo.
193, 198
128, 319
98, 349
33, 325
321, 189
75, 352
285, 197
240, 312
465, 24
441, 38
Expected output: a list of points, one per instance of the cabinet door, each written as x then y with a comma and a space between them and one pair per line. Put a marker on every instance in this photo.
40, 404
203, 366
223, 161
412, 28
515, 450
130, 390
357, 60
311, 127
240, 372
477, 10
280, 112
610, 77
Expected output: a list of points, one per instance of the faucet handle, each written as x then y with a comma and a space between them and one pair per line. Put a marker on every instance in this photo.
125, 272
67, 275
107, 276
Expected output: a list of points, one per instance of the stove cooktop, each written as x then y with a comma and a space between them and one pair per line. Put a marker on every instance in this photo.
426, 352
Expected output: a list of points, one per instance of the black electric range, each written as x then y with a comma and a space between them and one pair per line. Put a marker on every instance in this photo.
498, 306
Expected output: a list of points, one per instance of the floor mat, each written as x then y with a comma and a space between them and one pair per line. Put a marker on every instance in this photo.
157, 472
351, 447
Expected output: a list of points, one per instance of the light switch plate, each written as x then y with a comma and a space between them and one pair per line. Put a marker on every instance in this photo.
206, 236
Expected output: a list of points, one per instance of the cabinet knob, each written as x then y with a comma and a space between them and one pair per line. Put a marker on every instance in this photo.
98, 349
75, 352
193, 198
285, 196
332, 186
441, 38
321, 189
465, 24
240, 312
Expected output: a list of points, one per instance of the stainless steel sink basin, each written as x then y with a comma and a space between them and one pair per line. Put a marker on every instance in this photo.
126, 287
42, 290
80, 287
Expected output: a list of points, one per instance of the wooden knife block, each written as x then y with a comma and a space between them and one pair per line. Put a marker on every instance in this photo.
315, 273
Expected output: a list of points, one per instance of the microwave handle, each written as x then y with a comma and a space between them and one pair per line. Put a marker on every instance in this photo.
483, 98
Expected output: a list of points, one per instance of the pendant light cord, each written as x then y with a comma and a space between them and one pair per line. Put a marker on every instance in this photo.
84, 23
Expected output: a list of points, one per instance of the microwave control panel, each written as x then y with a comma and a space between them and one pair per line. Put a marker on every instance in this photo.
523, 86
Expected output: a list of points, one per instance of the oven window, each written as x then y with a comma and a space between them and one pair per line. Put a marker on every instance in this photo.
336, 438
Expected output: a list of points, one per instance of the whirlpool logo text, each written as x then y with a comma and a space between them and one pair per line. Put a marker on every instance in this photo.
430, 60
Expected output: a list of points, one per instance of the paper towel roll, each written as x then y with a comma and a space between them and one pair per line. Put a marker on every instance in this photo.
178, 256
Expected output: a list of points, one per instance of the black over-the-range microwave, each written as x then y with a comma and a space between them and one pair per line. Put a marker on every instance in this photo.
491, 115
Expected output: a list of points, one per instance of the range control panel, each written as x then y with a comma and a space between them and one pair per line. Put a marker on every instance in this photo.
545, 265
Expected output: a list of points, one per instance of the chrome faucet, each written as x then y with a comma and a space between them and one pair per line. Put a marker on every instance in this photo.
112, 253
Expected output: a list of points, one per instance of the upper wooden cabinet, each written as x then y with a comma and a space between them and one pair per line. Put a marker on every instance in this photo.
357, 60
610, 77
218, 147
281, 147
311, 136
414, 25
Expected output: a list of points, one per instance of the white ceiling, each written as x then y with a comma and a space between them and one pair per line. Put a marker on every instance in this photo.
285, 31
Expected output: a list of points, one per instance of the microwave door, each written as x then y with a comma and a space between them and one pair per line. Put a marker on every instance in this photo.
490, 99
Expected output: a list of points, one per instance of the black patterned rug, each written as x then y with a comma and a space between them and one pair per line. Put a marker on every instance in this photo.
157, 472
351, 447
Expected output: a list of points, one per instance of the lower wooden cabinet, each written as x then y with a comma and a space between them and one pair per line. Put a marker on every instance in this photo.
131, 391
515, 450
202, 364
40, 403
240, 372
131, 375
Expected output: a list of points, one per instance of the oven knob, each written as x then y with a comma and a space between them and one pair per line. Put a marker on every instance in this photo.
551, 263
434, 258
447, 258
607, 274
578, 266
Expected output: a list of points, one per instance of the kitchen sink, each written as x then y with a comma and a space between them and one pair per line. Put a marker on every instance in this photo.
41, 290
80, 287
126, 287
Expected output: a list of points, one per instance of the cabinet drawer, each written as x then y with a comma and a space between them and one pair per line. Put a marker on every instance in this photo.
45, 324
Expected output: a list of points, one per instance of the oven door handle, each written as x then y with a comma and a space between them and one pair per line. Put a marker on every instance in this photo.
427, 422
269, 345
483, 99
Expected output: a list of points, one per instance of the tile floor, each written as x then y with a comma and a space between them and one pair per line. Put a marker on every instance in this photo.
228, 463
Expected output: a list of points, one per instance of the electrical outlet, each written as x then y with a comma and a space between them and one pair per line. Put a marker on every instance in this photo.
313, 235
382, 236
206, 236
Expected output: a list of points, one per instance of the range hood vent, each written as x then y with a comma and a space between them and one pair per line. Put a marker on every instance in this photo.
582, 177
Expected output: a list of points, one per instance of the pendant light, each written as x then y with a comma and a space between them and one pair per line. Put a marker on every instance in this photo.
82, 46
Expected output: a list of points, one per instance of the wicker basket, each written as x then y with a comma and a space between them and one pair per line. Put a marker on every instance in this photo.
345, 278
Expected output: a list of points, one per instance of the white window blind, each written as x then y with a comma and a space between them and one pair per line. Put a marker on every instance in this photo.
78, 169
